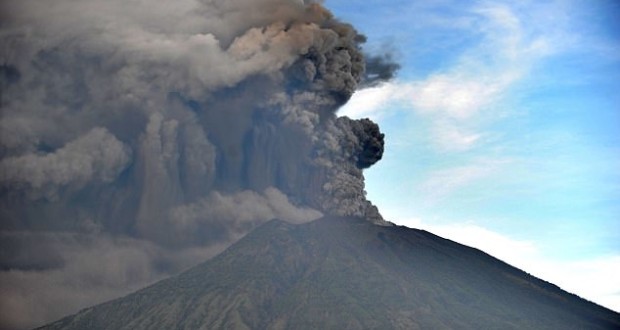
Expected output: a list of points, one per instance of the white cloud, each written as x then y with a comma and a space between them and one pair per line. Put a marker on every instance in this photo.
370, 102
453, 95
441, 183
594, 279
480, 78
449, 136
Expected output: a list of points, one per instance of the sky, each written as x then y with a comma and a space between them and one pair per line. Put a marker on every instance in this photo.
502, 130
137, 140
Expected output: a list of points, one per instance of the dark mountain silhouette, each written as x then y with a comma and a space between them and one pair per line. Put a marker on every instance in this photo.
346, 273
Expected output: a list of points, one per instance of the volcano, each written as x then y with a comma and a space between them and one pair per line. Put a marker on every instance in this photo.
347, 273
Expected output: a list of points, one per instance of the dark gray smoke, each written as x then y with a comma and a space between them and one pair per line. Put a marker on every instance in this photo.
139, 138
379, 69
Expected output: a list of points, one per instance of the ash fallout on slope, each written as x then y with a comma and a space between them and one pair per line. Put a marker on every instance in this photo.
145, 137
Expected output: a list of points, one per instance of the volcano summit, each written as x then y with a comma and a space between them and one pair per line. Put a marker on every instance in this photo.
346, 273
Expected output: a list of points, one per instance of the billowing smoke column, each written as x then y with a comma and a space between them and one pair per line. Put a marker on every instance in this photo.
138, 138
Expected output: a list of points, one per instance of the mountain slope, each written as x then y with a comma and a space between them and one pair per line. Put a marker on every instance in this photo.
345, 273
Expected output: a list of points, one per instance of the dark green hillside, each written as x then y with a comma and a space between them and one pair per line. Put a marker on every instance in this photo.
345, 273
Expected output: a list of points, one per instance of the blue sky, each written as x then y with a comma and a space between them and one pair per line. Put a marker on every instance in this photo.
502, 130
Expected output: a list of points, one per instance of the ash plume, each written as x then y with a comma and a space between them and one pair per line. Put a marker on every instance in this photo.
160, 133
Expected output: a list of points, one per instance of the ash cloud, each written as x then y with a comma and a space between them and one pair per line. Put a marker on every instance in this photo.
140, 138
95, 157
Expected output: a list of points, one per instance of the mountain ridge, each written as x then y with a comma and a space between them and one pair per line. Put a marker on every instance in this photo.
346, 273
